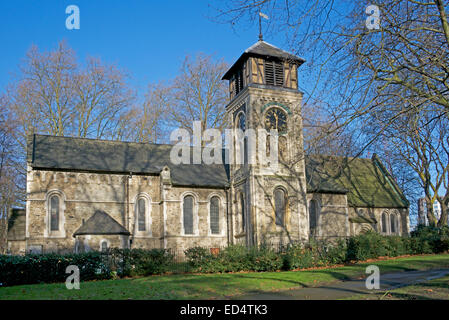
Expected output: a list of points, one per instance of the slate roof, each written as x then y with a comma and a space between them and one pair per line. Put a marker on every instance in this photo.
263, 49
65, 153
365, 181
101, 223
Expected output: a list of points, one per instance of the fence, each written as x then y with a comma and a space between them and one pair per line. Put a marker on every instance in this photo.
165, 260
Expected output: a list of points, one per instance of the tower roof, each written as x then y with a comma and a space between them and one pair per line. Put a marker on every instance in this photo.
263, 49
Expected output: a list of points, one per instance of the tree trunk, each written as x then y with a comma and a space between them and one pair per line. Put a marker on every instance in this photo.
430, 215
444, 207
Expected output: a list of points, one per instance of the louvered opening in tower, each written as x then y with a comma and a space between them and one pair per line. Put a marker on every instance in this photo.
238, 81
269, 73
274, 73
278, 74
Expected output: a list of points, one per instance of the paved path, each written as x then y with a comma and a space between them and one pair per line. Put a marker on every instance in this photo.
345, 289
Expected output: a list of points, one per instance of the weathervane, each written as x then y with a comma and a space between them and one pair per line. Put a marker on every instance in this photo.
261, 15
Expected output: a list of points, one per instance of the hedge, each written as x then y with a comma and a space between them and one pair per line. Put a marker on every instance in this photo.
140, 262
47, 268
319, 253
233, 258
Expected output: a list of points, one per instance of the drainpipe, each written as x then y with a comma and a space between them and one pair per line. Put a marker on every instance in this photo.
129, 177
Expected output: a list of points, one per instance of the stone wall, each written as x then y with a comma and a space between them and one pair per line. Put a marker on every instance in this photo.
174, 237
82, 194
332, 221
117, 195
88, 243
293, 228
403, 227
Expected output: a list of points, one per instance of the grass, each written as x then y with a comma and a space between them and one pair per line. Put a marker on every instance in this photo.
216, 286
436, 289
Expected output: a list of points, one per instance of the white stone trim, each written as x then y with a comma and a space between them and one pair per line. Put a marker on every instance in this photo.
195, 213
108, 244
148, 218
389, 213
319, 206
221, 215
61, 228
30, 177
285, 223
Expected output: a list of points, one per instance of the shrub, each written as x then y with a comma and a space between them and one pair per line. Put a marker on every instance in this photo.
264, 259
234, 258
298, 256
430, 239
396, 246
367, 246
314, 254
336, 253
47, 268
201, 260
140, 262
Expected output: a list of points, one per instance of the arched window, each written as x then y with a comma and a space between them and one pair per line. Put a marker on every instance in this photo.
313, 217
54, 212
279, 206
141, 215
242, 211
104, 246
384, 222
393, 223
240, 141
241, 121
188, 214
214, 208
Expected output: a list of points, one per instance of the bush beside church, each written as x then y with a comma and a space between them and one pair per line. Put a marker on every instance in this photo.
47, 268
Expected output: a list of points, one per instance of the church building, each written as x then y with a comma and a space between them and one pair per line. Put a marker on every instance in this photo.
87, 194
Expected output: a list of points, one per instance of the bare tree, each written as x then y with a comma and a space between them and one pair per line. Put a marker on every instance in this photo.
10, 194
420, 142
408, 51
397, 70
324, 136
101, 97
53, 94
146, 120
198, 94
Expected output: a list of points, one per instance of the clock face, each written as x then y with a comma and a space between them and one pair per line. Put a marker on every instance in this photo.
276, 119
241, 122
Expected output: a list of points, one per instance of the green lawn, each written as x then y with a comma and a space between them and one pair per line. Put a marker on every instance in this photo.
215, 286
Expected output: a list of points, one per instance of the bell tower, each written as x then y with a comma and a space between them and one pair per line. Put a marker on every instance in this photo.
268, 187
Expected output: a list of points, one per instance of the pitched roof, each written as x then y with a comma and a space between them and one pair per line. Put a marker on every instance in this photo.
367, 182
66, 153
263, 49
101, 223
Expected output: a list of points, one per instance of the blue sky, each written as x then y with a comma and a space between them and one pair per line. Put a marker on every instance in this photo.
148, 38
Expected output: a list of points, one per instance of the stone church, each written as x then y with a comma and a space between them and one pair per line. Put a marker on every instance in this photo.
86, 194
